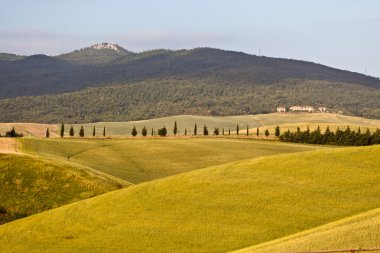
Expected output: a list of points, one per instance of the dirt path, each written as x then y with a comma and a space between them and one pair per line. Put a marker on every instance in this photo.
9, 146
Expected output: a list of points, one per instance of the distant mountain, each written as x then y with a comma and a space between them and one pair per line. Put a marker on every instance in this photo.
102, 65
198, 81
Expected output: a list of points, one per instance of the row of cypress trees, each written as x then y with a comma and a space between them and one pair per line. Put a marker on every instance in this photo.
162, 131
339, 137
71, 131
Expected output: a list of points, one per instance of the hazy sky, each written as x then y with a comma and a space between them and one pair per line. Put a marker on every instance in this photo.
339, 33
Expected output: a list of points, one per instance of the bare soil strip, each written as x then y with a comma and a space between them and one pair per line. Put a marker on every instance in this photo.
9, 146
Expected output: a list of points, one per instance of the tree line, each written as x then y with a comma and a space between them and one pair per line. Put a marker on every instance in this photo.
339, 137
164, 131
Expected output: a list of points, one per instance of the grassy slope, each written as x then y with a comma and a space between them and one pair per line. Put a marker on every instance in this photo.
30, 185
217, 209
148, 159
358, 231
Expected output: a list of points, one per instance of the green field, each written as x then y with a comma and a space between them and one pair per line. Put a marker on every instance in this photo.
30, 185
216, 209
142, 160
356, 232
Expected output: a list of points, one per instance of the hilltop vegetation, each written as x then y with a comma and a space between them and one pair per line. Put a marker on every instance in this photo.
159, 98
30, 185
216, 209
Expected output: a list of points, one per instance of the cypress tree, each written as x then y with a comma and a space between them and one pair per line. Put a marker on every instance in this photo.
229, 131
62, 130
266, 133
216, 131
223, 131
71, 132
195, 129
134, 131
247, 131
152, 132
237, 129
185, 131
277, 131
144, 132
93, 132
205, 131
175, 128
81, 131
257, 132
104, 131
47, 135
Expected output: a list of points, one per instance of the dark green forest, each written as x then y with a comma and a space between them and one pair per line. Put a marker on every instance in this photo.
339, 137
158, 98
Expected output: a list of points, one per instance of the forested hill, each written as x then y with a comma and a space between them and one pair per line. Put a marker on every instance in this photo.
107, 64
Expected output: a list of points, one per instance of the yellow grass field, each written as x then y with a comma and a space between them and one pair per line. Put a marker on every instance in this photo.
216, 209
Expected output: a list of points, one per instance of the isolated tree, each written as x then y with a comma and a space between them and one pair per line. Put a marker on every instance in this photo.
104, 131
277, 131
134, 131
266, 133
257, 132
195, 129
223, 131
216, 131
144, 132
71, 132
175, 128
47, 135
237, 129
62, 130
247, 131
229, 131
93, 132
11, 133
205, 131
152, 132
81, 131
185, 131
162, 131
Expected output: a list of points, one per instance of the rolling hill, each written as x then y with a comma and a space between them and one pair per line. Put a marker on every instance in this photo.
127, 159
108, 83
216, 209
335, 235
31, 185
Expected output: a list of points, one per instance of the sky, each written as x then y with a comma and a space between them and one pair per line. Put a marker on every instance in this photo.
343, 34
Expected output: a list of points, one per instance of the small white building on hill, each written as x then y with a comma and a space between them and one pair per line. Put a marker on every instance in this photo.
281, 109
302, 108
